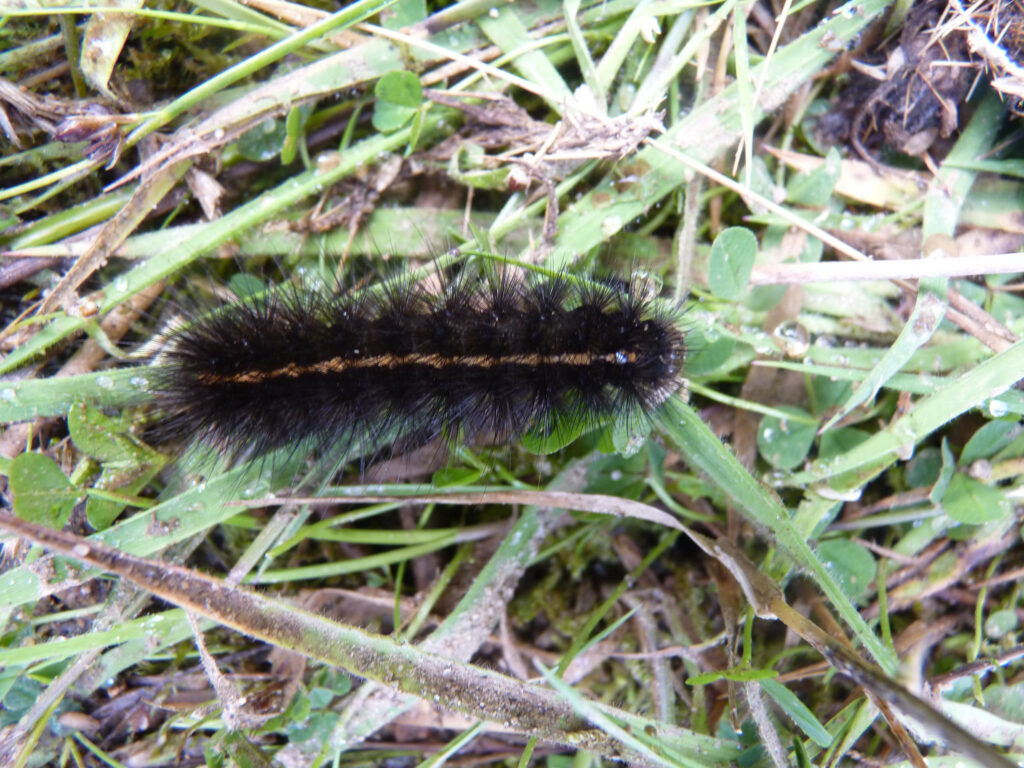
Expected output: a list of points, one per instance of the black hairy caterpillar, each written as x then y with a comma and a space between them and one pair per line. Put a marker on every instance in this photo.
497, 356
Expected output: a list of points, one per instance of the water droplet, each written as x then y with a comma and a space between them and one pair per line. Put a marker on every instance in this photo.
253, 491
139, 382
610, 225
997, 408
121, 284
794, 338
8, 394
105, 382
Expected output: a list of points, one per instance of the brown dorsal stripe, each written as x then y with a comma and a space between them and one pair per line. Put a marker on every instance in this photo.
340, 365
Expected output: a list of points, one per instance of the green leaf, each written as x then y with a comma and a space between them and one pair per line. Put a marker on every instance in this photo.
798, 712
403, 13
785, 443
42, 494
319, 698
617, 475
852, 565
468, 166
814, 188
263, 141
335, 679
828, 392
761, 298
449, 476
973, 503
802, 760
388, 117
273, 137
921, 325
98, 436
732, 259
705, 356
292, 128
989, 440
22, 695
55, 330
836, 442
629, 432
548, 438
127, 464
736, 675
245, 286
945, 474
399, 95
923, 470
1000, 624
32, 398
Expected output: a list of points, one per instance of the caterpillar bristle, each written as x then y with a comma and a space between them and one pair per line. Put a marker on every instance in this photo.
494, 356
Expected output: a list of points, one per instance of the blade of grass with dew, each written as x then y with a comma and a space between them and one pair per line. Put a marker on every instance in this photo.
1009, 402
924, 320
704, 452
640, 19
153, 628
352, 565
947, 196
650, 93
402, 232
583, 58
239, 12
958, 353
459, 634
71, 221
40, 398
974, 389
745, 90
508, 32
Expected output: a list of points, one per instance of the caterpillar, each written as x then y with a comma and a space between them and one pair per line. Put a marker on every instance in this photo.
483, 356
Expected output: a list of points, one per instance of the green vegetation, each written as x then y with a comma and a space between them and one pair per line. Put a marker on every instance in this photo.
835, 492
